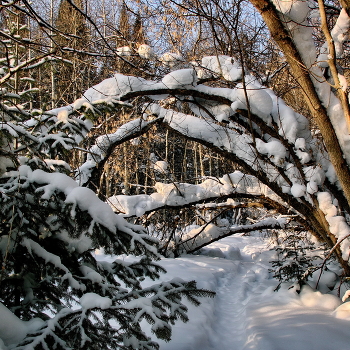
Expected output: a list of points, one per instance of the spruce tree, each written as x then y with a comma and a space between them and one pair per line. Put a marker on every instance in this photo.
54, 292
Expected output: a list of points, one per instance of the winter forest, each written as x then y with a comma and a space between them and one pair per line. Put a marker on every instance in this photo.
174, 175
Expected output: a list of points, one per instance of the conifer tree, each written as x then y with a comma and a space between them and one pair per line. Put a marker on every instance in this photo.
54, 293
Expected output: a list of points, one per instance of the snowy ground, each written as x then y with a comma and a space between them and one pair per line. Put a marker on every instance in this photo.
246, 312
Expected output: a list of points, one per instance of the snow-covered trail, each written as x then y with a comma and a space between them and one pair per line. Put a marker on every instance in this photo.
243, 320
230, 313
246, 313
246, 280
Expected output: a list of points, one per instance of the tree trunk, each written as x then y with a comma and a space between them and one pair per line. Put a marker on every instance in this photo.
301, 74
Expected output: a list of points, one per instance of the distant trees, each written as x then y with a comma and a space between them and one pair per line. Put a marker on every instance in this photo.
76, 71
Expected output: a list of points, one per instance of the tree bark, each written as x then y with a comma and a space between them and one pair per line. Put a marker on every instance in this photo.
318, 111
301, 74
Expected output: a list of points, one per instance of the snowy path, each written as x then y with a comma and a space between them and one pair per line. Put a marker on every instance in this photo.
229, 331
230, 311
246, 313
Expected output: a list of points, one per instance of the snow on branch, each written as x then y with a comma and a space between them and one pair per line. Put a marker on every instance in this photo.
81, 199
298, 22
209, 233
104, 145
183, 194
271, 141
264, 143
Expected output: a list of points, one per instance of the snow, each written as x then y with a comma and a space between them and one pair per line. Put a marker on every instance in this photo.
221, 65
161, 166
62, 116
54, 181
296, 23
91, 274
117, 85
145, 51
124, 51
13, 330
180, 79
83, 199
171, 59
87, 200
274, 149
34, 247
340, 32
260, 101
337, 224
174, 194
83, 173
297, 190
104, 142
92, 300
343, 311
53, 163
246, 313
315, 299
297, 11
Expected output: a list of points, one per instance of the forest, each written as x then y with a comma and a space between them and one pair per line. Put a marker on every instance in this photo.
134, 134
